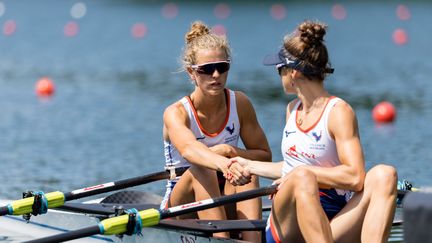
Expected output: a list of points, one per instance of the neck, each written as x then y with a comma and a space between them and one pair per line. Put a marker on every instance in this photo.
312, 96
208, 104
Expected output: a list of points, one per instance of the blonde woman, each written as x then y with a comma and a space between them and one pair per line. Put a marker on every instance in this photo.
201, 131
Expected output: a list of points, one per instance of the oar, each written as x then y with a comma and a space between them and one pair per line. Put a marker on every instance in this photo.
151, 217
57, 198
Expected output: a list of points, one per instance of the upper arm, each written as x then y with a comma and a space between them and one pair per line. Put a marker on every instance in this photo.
251, 133
343, 127
176, 127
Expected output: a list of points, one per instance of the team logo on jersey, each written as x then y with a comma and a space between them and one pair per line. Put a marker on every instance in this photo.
288, 133
292, 152
316, 136
230, 129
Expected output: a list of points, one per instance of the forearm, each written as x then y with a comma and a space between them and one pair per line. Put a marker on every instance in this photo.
199, 154
252, 154
271, 170
340, 177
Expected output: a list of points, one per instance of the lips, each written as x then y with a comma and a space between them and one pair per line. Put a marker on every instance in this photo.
216, 85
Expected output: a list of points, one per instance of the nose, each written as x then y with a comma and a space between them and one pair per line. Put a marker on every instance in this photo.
215, 73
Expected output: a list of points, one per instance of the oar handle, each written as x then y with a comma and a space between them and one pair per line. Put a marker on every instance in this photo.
71, 235
25, 205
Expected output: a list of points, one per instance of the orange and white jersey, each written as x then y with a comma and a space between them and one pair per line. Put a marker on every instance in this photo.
313, 146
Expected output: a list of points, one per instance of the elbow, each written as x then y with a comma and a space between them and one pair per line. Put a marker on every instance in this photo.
357, 183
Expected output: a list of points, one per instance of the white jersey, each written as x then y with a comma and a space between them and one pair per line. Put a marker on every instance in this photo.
313, 146
228, 134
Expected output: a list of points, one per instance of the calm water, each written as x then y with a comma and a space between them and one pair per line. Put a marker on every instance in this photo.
104, 122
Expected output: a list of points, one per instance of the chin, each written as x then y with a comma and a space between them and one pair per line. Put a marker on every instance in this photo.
215, 91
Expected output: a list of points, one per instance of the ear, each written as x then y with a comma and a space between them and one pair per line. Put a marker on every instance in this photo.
294, 73
190, 73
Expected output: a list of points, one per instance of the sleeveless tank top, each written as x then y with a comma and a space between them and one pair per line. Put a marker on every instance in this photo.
313, 146
228, 134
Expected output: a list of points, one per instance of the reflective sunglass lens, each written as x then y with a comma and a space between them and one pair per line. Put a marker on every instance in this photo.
210, 68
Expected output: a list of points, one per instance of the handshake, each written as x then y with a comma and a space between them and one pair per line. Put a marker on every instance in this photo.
237, 171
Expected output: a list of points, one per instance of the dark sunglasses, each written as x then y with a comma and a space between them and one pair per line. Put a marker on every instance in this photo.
210, 68
279, 69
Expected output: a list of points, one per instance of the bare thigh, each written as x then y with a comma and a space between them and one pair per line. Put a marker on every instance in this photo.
197, 183
369, 213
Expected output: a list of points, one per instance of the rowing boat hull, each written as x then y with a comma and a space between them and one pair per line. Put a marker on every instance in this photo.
16, 229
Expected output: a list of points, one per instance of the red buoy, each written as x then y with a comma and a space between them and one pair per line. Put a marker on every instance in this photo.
400, 37
44, 87
384, 112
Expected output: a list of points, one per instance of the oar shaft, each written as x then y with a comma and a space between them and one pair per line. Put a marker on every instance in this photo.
402, 193
56, 199
4, 210
71, 235
151, 217
211, 203
121, 184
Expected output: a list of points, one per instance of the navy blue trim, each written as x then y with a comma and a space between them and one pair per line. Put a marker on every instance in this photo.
169, 153
332, 202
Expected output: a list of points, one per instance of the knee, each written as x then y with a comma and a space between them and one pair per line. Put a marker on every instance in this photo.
200, 171
383, 176
202, 175
304, 181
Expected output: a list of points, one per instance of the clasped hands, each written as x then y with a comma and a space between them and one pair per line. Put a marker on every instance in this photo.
238, 171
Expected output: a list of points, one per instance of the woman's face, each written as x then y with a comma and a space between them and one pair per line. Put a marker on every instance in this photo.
215, 82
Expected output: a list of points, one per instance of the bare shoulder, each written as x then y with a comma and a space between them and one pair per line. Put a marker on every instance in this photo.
245, 109
242, 99
342, 119
244, 105
342, 110
175, 111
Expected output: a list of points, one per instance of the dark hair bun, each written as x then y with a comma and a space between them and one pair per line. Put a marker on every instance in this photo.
312, 33
197, 29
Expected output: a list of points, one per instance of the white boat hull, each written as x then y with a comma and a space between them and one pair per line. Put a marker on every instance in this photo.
16, 229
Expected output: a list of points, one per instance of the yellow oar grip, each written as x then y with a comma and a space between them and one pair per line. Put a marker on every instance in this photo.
23, 206
150, 217
117, 225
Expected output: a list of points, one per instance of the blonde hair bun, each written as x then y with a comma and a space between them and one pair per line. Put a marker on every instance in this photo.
197, 29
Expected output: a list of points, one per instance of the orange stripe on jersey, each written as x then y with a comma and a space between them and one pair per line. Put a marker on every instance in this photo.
316, 122
198, 120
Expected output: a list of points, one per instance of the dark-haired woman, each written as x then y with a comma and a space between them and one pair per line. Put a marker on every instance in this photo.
324, 193
202, 130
